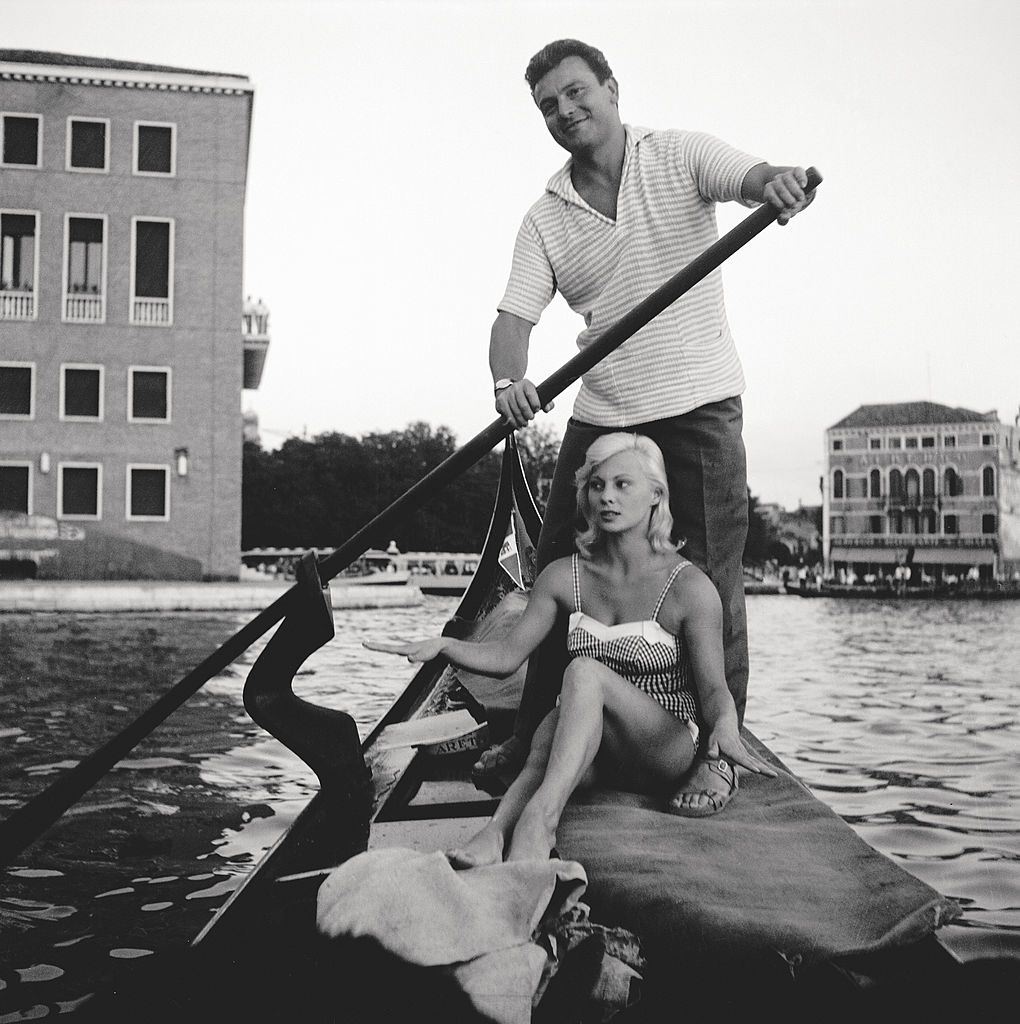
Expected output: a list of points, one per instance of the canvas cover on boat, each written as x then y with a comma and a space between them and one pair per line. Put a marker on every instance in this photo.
776, 870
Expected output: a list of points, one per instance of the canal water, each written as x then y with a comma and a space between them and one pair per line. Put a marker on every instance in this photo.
902, 716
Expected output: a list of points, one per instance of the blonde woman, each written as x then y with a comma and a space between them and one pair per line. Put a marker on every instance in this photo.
644, 702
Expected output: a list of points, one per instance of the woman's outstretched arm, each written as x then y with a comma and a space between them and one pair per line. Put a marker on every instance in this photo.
494, 657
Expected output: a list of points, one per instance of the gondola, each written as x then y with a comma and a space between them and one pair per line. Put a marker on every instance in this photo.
796, 912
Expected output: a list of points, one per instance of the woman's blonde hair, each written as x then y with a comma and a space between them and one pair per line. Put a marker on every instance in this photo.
660, 522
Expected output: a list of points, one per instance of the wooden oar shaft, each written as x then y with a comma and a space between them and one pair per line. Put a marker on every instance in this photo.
33, 818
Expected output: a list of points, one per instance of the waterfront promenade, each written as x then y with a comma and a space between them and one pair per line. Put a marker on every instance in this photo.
164, 596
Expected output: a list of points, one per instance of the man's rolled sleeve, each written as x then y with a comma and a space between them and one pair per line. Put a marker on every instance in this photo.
718, 168
532, 284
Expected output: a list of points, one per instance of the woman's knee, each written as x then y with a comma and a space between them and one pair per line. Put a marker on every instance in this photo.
584, 677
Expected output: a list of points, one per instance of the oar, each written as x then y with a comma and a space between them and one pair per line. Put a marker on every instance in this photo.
31, 819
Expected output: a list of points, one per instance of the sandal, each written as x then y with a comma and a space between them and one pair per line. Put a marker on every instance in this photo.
716, 801
499, 765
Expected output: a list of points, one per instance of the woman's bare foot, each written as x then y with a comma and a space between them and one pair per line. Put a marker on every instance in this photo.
484, 847
533, 837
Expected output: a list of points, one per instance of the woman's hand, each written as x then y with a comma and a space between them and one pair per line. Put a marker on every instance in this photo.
414, 651
724, 741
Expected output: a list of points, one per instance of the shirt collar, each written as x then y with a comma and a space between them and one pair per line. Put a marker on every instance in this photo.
560, 184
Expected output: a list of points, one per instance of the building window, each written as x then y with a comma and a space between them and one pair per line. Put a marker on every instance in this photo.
85, 270
988, 482
874, 443
895, 485
928, 521
953, 487
910, 521
910, 442
16, 487
81, 392
18, 264
155, 148
149, 394
950, 524
875, 484
79, 490
20, 140
927, 442
874, 524
928, 484
895, 442
988, 440
17, 391
837, 484
148, 492
837, 445
988, 522
912, 482
88, 144
152, 256
949, 441
837, 525
896, 522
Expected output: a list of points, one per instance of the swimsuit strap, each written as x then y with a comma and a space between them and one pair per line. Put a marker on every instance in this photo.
665, 590
577, 585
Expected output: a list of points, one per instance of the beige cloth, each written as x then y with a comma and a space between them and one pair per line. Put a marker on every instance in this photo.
478, 922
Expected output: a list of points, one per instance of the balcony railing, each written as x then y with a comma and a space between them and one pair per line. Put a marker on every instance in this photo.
914, 540
84, 309
17, 305
151, 312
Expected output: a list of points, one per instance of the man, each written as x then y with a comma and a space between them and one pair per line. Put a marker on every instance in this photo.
629, 209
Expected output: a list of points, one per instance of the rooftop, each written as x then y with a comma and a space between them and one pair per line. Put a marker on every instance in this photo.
71, 60
901, 414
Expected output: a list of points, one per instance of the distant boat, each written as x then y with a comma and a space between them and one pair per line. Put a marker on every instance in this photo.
885, 592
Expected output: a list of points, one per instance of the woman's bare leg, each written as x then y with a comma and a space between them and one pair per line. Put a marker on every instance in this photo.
598, 707
487, 845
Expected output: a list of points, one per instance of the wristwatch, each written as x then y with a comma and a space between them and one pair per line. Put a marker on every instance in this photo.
502, 384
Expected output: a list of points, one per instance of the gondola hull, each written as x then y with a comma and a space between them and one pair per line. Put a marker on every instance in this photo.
776, 891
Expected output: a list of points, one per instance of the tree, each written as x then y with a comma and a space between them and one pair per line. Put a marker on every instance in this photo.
318, 493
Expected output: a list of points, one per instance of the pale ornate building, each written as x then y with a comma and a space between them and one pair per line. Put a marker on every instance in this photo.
922, 484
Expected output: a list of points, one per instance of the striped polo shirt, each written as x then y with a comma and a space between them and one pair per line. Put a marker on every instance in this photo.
685, 357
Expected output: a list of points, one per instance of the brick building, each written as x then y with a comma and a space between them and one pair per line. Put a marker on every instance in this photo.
124, 342
922, 484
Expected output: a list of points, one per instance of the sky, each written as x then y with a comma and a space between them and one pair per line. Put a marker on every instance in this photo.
396, 148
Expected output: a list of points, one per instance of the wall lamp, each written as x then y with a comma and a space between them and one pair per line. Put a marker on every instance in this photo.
181, 461
44, 462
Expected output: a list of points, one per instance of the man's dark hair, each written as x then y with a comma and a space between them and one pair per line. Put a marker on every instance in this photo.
549, 56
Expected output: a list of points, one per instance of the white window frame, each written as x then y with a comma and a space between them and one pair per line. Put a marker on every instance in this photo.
31, 477
131, 370
949, 441
102, 386
132, 298
31, 395
38, 144
65, 294
127, 493
35, 262
68, 166
173, 149
61, 466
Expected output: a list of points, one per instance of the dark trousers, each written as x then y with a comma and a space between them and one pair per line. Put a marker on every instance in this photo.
707, 473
